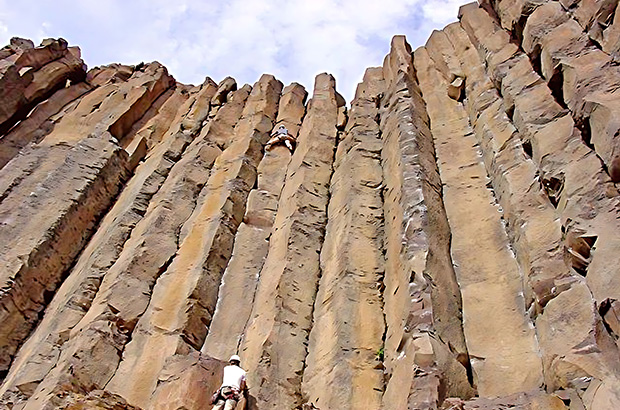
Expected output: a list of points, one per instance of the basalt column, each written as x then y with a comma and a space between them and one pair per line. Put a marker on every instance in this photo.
500, 337
29, 75
78, 290
92, 353
425, 353
252, 239
581, 192
185, 295
53, 194
38, 123
274, 347
344, 369
76, 295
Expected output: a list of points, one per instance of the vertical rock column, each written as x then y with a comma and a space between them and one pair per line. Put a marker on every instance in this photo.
424, 336
113, 108
91, 355
54, 195
252, 239
500, 337
32, 74
343, 366
185, 295
274, 348
167, 120
40, 353
578, 346
533, 226
588, 79
33, 128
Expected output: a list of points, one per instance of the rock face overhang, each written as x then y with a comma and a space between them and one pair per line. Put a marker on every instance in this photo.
449, 240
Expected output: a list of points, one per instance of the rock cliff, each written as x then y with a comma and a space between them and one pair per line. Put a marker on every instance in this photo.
448, 240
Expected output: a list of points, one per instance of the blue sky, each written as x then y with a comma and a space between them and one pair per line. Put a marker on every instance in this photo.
294, 39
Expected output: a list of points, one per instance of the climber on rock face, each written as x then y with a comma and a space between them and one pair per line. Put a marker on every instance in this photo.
227, 397
281, 136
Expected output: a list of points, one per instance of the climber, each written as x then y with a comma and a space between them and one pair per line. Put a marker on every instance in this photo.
233, 384
281, 135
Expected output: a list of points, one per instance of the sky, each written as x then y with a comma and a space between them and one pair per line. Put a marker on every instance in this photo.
291, 39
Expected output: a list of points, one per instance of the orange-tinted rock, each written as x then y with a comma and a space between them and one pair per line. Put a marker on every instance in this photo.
187, 382
95, 400
343, 365
529, 400
490, 282
184, 296
450, 241
273, 348
113, 107
421, 295
39, 123
112, 73
252, 240
40, 353
44, 228
31, 75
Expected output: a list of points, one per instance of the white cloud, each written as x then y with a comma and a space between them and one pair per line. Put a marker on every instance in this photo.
294, 39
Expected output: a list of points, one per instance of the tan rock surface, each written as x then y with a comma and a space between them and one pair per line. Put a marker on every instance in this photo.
95, 400
532, 224
448, 242
252, 240
530, 400
421, 293
39, 123
580, 74
58, 225
43, 230
491, 283
113, 107
31, 74
274, 345
343, 367
610, 41
574, 181
187, 382
40, 353
148, 251
184, 296
565, 162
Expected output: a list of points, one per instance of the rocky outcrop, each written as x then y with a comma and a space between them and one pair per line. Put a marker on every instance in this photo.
252, 240
29, 75
343, 366
39, 123
184, 296
424, 343
490, 283
187, 382
274, 343
450, 241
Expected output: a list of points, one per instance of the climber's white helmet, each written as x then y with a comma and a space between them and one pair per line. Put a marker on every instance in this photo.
234, 358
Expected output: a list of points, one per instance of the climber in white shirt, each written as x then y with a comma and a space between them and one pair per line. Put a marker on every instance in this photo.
281, 136
233, 385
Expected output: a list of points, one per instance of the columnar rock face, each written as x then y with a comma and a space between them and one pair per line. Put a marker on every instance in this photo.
252, 239
184, 296
343, 369
424, 343
450, 241
490, 283
274, 343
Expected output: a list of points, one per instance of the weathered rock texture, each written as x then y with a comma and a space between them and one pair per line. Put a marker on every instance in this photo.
450, 241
